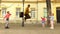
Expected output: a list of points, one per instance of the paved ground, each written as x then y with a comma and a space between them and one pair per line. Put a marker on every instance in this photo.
16, 28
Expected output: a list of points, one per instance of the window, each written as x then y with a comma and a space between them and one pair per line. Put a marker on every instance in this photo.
17, 12
3, 11
33, 12
45, 12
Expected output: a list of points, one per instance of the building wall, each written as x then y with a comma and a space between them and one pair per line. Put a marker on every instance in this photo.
53, 9
12, 8
56, 5
38, 8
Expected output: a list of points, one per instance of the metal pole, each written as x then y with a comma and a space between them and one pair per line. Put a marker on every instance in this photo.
23, 15
37, 10
48, 3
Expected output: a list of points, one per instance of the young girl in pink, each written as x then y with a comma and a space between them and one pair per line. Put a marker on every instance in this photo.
43, 21
7, 19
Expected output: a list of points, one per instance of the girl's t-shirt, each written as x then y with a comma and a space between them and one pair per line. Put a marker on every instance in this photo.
52, 18
7, 15
43, 19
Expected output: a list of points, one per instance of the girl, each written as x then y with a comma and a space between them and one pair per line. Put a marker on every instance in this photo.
7, 19
43, 21
52, 21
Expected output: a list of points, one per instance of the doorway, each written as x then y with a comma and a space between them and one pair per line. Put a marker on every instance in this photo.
58, 14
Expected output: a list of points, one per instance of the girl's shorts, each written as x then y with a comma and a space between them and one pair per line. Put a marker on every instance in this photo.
43, 22
7, 19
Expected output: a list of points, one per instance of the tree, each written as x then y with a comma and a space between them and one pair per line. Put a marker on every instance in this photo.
48, 3
0, 5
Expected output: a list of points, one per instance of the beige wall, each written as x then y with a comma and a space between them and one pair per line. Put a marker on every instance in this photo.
12, 6
11, 0
25, 0
40, 13
41, 7
56, 5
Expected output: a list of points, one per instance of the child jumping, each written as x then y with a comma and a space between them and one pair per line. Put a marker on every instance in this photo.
27, 16
7, 19
43, 21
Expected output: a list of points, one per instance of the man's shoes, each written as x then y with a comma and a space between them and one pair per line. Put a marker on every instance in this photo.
7, 27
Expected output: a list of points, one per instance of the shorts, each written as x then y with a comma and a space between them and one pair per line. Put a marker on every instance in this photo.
27, 16
43, 22
7, 19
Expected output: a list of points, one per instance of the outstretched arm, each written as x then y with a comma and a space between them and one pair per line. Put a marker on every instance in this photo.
4, 17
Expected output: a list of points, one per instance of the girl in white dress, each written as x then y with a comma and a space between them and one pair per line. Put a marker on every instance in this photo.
52, 21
